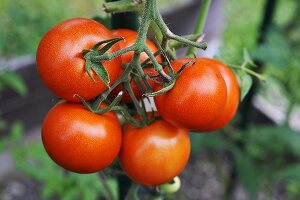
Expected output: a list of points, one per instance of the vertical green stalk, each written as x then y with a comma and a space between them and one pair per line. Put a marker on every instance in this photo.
200, 23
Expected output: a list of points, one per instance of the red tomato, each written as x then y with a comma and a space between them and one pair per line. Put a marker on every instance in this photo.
233, 96
154, 154
130, 38
60, 62
197, 98
79, 140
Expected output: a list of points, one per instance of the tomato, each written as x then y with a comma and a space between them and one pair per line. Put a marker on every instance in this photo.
233, 96
130, 38
61, 65
197, 98
79, 140
154, 154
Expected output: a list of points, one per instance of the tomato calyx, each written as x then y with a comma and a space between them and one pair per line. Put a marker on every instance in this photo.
174, 75
93, 63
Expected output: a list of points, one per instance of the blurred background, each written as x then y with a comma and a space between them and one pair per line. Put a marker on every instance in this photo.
255, 157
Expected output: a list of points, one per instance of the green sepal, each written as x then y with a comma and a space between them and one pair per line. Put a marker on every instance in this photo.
110, 107
101, 72
88, 66
184, 66
84, 52
96, 46
84, 102
109, 44
163, 90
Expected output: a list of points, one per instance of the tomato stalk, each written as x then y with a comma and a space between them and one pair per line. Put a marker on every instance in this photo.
200, 23
151, 14
151, 19
122, 6
132, 193
106, 186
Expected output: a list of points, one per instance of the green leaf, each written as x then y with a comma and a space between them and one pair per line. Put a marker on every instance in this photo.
289, 172
245, 82
247, 58
248, 172
16, 131
14, 81
71, 194
101, 72
210, 141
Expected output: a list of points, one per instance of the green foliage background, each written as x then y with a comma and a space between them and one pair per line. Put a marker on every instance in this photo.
24, 22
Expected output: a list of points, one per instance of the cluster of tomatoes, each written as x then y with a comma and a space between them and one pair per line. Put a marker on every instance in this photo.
205, 97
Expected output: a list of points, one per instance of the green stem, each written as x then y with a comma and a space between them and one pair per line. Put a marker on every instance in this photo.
249, 71
109, 56
140, 110
200, 23
132, 193
105, 94
128, 117
106, 186
122, 6
170, 35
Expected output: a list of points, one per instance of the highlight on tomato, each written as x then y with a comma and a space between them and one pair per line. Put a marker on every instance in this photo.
154, 154
60, 62
79, 140
198, 97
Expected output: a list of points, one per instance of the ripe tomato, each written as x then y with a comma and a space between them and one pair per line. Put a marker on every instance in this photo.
197, 98
60, 62
130, 37
154, 154
233, 96
79, 140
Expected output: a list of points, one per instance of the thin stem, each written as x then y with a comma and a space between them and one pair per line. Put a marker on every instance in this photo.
122, 6
106, 186
132, 193
170, 35
105, 94
200, 45
127, 116
249, 71
140, 110
200, 23
157, 66
109, 56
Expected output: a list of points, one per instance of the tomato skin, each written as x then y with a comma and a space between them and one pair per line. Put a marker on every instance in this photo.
61, 65
233, 96
130, 38
154, 154
197, 98
79, 140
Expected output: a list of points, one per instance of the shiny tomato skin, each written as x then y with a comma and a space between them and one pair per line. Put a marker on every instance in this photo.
197, 98
154, 154
79, 140
61, 65
130, 38
233, 96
